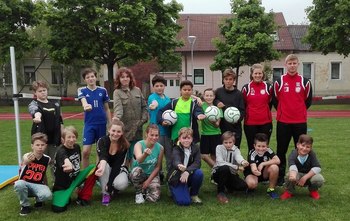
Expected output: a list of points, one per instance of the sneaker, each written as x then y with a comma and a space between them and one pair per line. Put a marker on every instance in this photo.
249, 192
222, 198
272, 194
38, 205
286, 195
212, 181
139, 198
315, 195
106, 198
82, 202
25, 210
196, 199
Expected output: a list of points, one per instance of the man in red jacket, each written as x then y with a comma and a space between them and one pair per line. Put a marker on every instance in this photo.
292, 98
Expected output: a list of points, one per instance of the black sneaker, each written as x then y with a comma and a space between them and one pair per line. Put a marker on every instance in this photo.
82, 202
25, 210
38, 205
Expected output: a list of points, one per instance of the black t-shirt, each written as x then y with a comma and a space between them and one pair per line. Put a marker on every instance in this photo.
62, 179
34, 172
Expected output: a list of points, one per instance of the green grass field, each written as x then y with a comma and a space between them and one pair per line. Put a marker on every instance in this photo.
331, 146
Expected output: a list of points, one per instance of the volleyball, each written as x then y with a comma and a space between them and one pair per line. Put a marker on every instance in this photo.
212, 113
169, 116
232, 115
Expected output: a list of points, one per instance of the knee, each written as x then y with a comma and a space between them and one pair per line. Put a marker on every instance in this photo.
86, 152
20, 185
198, 174
273, 169
136, 173
121, 182
251, 183
44, 195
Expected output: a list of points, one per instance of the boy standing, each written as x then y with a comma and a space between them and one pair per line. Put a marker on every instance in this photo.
229, 161
263, 165
47, 118
211, 133
32, 175
229, 96
292, 98
304, 169
94, 100
156, 101
188, 112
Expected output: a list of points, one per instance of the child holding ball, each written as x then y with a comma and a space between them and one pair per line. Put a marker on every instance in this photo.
210, 133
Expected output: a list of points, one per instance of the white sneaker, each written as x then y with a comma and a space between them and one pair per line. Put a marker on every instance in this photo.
139, 198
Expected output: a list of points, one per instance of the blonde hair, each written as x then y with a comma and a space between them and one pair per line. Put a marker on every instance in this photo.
185, 131
291, 57
228, 135
254, 67
39, 83
69, 129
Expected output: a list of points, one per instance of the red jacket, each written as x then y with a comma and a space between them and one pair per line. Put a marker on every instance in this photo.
292, 95
257, 99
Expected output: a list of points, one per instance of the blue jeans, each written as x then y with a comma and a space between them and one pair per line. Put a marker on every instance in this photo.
26, 189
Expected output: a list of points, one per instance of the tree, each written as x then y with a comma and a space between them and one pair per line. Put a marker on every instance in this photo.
108, 31
329, 26
15, 17
246, 37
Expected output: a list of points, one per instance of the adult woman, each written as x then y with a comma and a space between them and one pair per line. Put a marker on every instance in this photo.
148, 155
257, 95
111, 150
129, 105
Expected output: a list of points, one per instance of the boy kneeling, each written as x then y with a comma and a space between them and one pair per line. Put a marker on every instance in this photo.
304, 169
263, 165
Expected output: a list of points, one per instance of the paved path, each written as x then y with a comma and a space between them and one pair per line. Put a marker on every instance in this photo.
311, 114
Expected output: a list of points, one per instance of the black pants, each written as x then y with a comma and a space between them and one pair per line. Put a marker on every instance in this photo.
251, 130
225, 179
284, 133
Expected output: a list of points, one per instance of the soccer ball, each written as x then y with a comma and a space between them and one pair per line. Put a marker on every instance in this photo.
169, 116
212, 113
232, 115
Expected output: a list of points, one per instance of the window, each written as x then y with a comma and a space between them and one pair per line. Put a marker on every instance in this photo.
198, 76
171, 82
275, 36
307, 70
177, 82
57, 74
7, 76
335, 70
277, 72
29, 74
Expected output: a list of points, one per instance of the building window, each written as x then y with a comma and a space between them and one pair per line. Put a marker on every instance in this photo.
198, 76
7, 76
335, 70
277, 72
177, 82
307, 70
275, 36
29, 74
57, 74
171, 83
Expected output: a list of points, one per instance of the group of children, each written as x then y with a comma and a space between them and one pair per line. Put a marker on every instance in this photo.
219, 148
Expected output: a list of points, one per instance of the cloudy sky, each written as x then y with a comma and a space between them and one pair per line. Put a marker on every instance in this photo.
294, 11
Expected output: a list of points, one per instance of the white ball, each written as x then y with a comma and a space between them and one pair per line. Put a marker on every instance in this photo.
232, 115
212, 113
169, 116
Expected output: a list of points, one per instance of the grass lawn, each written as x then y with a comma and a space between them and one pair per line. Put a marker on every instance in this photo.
330, 143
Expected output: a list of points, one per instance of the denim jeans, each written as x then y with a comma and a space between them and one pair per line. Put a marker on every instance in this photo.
26, 189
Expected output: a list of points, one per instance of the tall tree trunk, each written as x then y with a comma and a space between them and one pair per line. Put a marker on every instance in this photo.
237, 70
110, 87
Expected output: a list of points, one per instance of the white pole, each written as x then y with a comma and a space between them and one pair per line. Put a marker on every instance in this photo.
15, 103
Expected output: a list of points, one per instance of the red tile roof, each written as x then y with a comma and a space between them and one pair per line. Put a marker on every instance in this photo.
205, 28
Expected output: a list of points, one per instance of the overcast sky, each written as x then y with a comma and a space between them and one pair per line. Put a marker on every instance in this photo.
293, 10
